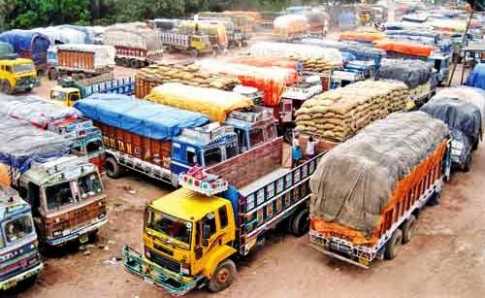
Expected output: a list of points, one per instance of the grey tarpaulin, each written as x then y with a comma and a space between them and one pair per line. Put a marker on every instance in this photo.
412, 72
354, 181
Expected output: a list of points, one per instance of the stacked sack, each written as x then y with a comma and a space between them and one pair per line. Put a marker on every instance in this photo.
314, 64
155, 75
338, 114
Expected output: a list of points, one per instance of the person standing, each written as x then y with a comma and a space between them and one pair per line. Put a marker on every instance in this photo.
310, 148
296, 150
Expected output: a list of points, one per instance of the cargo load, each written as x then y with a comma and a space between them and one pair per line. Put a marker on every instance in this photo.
6, 51
314, 58
290, 26
471, 95
477, 77
140, 117
404, 48
214, 103
84, 56
269, 80
338, 114
361, 36
154, 75
67, 34
359, 181
28, 44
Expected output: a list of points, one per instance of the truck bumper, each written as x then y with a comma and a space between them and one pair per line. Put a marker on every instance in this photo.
174, 283
13, 281
75, 234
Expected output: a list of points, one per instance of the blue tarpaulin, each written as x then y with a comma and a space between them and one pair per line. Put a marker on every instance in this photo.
137, 116
477, 77
22, 143
28, 44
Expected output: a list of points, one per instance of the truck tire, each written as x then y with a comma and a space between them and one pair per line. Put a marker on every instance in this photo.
468, 163
475, 145
113, 169
6, 88
194, 53
300, 223
408, 229
392, 246
223, 276
118, 61
133, 63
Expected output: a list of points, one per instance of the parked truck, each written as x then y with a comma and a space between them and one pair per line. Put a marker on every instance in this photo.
20, 259
79, 60
69, 91
30, 45
64, 191
167, 141
195, 44
135, 46
193, 235
462, 109
17, 75
86, 139
392, 169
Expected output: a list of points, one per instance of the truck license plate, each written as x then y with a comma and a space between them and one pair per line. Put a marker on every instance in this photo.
83, 238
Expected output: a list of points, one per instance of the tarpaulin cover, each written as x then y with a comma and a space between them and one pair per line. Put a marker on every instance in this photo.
22, 143
6, 51
103, 55
64, 35
407, 26
457, 114
471, 95
405, 48
422, 37
214, 103
297, 51
361, 36
272, 81
28, 43
287, 25
453, 25
477, 77
133, 36
354, 181
140, 117
35, 110
412, 72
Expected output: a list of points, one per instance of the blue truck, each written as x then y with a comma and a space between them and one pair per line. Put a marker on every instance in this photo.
162, 141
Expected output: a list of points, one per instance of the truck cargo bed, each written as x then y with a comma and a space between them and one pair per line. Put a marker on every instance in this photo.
246, 190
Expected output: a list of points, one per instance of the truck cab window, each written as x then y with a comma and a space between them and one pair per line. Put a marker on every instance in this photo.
212, 156
94, 146
211, 222
34, 198
231, 150
223, 216
241, 139
59, 195
256, 136
192, 158
271, 132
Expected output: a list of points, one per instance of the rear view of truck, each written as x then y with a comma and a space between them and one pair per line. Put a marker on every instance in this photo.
368, 192
135, 46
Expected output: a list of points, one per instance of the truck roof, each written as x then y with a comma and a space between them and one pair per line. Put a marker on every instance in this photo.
187, 204
15, 61
141, 117
10, 202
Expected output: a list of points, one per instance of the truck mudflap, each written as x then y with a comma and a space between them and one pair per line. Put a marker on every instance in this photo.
13, 281
173, 283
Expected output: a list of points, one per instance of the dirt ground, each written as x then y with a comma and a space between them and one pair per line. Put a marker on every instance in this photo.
446, 259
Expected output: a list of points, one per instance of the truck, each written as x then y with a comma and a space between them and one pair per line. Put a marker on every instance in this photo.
381, 206
136, 47
193, 236
69, 91
168, 140
20, 259
462, 109
216, 31
64, 191
17, 75
86, 140
195, 44
30, 45
290, 27
79, 61
235, 36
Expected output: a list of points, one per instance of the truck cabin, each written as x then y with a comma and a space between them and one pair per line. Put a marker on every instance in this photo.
53, 189
441, 64
253, 126
65, 95
17, 75
203, 146
17, 226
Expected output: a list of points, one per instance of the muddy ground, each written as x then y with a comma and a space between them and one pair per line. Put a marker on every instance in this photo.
446, 259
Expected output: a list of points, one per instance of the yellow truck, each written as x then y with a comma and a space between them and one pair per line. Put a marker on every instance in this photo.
17, 75
193, 235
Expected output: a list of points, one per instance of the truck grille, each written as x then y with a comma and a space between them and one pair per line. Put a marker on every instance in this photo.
164, 262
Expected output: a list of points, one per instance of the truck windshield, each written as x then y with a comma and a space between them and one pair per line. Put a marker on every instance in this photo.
17, 229
59, 195
94, 146
172, 227
23, 68
89, 186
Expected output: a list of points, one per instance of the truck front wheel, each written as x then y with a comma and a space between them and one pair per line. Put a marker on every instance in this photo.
393, 245
299, 223
113, 169
223, 277
468, 163
6, 88
408, 229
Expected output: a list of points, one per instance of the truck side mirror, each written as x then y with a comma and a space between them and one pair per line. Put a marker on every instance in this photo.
206, 234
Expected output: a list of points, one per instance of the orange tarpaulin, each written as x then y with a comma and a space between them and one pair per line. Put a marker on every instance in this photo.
265, 62
406, 48
361, 36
